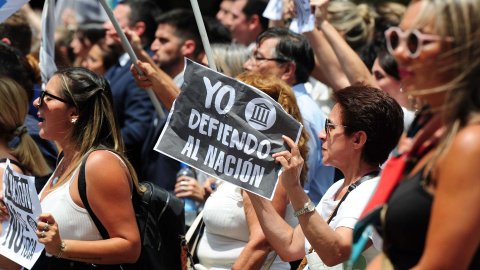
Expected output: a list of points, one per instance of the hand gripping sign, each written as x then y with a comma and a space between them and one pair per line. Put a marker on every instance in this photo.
18, 240
227, 129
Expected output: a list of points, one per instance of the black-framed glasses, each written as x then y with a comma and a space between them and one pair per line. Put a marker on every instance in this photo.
43, 94
412, 39
255, 59
329, 124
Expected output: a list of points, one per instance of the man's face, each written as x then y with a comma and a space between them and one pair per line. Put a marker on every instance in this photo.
121, 13
237, 23
265, 63
167, 47
224, 10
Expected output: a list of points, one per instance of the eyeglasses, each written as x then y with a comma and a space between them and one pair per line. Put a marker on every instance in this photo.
43, 94
255, 58
413, 39
329, 124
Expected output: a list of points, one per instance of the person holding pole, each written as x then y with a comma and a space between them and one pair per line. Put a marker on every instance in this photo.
133, 105
175, 38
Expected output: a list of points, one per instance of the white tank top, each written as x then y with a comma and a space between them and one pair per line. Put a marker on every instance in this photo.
74, 222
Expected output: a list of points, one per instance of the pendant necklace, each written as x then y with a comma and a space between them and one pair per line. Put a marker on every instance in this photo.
55, 180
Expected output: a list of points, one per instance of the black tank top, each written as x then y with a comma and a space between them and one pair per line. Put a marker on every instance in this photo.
406, 224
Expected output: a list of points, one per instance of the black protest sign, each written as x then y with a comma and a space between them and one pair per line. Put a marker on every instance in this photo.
18, 240
227, 129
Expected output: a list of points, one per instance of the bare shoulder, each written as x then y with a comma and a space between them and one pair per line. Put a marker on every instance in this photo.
466, 143
460, 161
106, 165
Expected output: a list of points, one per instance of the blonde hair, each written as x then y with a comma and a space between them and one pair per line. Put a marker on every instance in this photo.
13, 111
356, 22
283, 94
229, 58
458, 19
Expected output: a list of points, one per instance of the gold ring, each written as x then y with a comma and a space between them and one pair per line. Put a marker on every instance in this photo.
288, 159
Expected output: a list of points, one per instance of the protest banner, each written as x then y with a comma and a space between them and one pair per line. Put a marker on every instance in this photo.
18, 240
227, 129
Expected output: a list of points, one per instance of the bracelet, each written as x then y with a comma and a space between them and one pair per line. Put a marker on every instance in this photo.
62, 248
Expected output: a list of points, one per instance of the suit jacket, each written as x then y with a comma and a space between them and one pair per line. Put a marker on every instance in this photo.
133, 108
156, 167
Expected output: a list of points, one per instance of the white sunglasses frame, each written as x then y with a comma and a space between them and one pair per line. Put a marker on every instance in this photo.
403, 40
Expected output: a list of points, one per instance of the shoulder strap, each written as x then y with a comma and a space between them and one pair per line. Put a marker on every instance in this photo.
82, 190
351, 187
3, 160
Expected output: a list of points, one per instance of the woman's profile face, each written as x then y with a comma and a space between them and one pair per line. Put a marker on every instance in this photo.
388, 83
94, 60
55, 115
422, 72
336, 144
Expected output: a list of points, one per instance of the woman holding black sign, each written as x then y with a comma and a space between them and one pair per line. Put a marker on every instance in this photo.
78, 114
362, 129
233, 238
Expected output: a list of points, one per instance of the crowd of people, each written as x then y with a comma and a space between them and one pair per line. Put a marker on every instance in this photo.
386, 95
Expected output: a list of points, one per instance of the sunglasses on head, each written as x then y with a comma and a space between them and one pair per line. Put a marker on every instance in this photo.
43, 94
412, 39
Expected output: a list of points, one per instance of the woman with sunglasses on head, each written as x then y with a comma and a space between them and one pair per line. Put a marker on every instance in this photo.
78, 114
431, 213
362, 129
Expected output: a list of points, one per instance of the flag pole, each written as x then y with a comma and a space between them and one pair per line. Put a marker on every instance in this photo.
203, 34
133, 57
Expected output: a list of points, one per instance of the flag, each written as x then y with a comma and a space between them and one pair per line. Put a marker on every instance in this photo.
47, 45
8, 7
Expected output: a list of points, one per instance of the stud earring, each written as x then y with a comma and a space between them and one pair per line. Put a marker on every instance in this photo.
38, 104
74, 120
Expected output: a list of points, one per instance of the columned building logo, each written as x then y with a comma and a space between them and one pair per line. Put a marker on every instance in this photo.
260, 114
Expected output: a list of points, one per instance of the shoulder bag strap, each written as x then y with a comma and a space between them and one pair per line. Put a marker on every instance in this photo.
82, 190
350, 188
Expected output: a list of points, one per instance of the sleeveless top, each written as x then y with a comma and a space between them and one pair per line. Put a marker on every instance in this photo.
74, 222
226, 230
405, 227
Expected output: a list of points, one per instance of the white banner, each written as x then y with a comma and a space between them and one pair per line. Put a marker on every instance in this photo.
18, 240
8, 7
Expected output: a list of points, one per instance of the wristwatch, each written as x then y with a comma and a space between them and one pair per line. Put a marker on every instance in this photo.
307, 208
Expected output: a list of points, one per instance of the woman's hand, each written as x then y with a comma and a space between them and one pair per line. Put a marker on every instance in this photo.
321, 11
3, 209
292, 163
188, 187
47, 232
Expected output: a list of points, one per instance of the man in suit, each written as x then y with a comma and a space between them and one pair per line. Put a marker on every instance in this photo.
132, 104
176, 38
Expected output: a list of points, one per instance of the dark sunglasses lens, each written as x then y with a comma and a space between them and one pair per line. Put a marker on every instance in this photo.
412, 43
394, 39
42, 96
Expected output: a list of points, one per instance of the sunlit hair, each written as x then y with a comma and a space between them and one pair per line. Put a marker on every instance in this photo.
97, 126
458, 19
356, 22
229, 58
283, 94
13, 110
